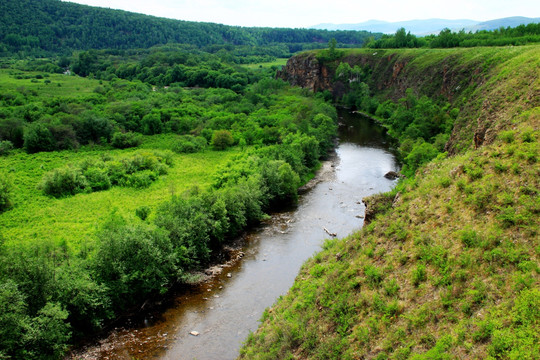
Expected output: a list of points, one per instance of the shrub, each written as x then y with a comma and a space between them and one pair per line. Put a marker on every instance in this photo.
189, 144
5, 147
5, 192
97, 179
222, 139
281, 181
141, 179
126, 140
142, 212
419, 274
507, 136
37, 137
64, 181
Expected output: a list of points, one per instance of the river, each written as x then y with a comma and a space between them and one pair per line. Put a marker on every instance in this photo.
222, 311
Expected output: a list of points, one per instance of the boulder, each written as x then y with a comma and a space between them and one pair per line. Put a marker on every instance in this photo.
392, 175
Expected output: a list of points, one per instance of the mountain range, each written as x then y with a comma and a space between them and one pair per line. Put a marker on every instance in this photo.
430, 26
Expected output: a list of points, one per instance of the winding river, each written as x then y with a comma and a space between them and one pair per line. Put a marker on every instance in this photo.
222, 311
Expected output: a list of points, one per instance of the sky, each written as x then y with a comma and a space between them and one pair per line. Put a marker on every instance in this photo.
306, 13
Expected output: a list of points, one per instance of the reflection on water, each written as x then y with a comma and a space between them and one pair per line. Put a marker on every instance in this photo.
224, 310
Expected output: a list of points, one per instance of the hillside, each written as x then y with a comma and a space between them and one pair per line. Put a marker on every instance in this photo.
45, 27
449, 266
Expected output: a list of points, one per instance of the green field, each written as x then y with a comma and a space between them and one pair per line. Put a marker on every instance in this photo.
60, 84
37, 217
266, 65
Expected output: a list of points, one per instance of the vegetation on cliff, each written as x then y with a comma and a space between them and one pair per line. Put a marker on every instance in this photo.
449, 267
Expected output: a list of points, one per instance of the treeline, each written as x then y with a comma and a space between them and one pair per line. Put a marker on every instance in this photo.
422, 125
45, 27
165, 65
520, 35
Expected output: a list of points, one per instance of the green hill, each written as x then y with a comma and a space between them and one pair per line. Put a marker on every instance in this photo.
448, 269
44, 27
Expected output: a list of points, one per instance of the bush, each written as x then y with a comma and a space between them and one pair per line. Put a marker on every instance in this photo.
142, 212
97, 179
5, 147
64, 181
189, 144
419, 274
222, 139
126, 140
37, 137
5, 192
281, 182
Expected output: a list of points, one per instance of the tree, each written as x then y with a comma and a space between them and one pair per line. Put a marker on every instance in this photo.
37, 137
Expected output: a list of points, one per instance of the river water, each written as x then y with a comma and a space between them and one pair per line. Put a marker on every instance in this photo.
225, 309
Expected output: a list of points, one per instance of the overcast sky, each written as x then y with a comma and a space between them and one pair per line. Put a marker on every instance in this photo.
306, 13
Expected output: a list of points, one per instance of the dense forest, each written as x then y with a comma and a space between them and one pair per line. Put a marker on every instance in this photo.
45, 27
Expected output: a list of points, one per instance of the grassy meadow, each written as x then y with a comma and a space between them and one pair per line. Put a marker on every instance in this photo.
74, 220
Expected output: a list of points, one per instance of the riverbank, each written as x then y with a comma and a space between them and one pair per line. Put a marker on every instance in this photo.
226, 307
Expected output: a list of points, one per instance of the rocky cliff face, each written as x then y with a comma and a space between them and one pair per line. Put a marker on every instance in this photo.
390, 73
453, 76
306, 71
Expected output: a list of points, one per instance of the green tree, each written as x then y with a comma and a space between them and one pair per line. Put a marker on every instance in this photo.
37, 137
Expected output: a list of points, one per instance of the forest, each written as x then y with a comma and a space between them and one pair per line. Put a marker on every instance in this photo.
51, 27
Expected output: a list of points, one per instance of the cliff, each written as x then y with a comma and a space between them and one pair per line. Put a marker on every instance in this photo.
467, 78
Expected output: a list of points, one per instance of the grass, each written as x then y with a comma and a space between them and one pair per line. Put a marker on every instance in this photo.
266, 65
60, 84
457, 293
37, 217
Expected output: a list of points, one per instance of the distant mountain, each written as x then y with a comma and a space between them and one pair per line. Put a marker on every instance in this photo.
430, 26
416, 27
504, 22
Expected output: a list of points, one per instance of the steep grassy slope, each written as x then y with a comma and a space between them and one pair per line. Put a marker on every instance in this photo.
449, 268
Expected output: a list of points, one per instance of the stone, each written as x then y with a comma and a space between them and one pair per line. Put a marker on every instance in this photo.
392, 175
194, 333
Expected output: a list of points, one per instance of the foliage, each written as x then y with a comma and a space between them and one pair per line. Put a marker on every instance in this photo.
519, 35
5, 147
78, 27
133, 260
6, 192
37, 137
125, 140
222, 139
138, 171
189, 144
64, 181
